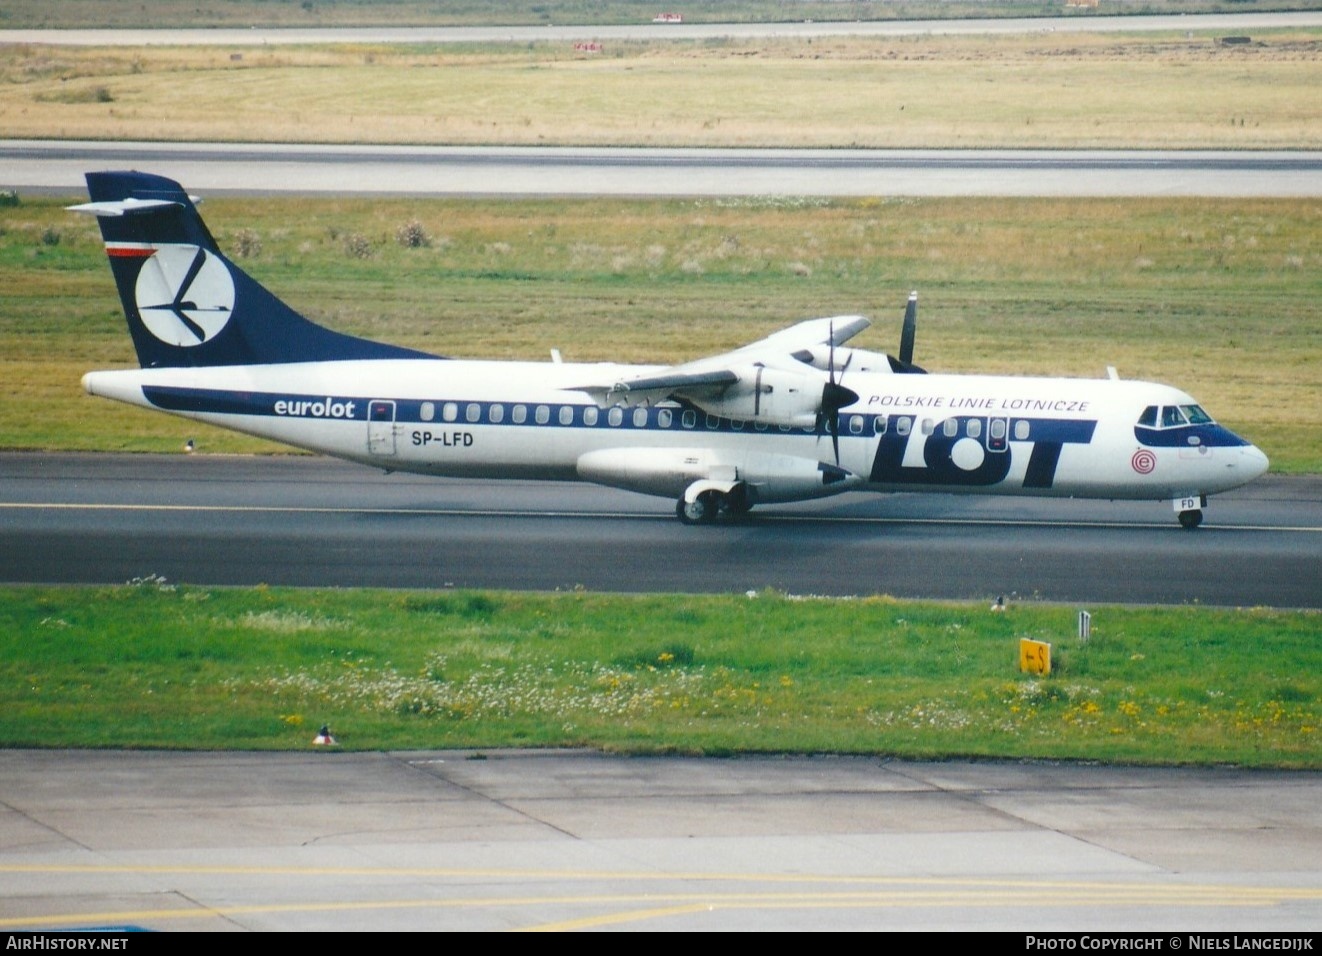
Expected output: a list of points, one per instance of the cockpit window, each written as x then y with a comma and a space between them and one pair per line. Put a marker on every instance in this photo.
1171, 416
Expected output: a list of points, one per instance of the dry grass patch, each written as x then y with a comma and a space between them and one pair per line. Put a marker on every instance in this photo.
1024, 91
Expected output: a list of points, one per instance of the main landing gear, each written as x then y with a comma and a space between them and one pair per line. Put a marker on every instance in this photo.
1191, 519
711, 504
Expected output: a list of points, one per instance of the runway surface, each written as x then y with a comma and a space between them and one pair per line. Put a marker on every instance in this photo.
1231, 22
582, 841
53, 166
306, 521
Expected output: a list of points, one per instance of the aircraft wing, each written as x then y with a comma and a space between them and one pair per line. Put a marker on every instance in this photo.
706, 381
835, 330
770, 381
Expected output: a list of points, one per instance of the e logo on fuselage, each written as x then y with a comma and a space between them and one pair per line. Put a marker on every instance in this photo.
185, 295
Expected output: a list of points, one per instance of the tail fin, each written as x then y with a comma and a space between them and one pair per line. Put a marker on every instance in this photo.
187, 305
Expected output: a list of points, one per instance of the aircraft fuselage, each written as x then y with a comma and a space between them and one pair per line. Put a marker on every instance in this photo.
952, 433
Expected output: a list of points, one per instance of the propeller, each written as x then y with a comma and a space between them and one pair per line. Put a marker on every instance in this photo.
834, 397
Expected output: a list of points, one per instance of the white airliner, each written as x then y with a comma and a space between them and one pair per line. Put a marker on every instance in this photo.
794, 416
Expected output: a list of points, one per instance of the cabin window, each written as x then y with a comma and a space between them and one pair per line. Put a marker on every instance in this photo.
856, 424
1021, 430
427, 411
1196, 415
713, 421
760, 426
1149, 417
473, 412
590, 415
950, 427
450, 411
997, 430
664, 417
542, 415
879, 425
640, 418
929, 426
689, 419
784, 428
566, 414
615, 416
520, 414
1171, 417
903, 424
496, 414
975, 428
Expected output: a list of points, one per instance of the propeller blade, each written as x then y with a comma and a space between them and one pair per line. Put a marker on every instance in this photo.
830, 356
907, 333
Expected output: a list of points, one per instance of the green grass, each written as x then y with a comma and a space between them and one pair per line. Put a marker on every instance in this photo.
154, 665
1215, 296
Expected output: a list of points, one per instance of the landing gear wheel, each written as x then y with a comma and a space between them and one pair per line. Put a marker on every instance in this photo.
702, 510
1191, 519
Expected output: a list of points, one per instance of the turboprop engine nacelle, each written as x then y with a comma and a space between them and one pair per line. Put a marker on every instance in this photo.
773, 396
669, 471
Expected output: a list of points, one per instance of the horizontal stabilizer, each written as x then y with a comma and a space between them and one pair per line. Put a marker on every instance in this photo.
122, 207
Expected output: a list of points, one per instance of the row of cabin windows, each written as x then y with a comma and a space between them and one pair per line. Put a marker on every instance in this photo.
590, 415
949, 427
688, 418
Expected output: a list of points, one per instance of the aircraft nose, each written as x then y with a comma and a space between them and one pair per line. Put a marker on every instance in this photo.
1253, 461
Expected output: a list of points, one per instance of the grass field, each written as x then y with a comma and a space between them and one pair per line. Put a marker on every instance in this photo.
153, 665
1038, 90
1218, 297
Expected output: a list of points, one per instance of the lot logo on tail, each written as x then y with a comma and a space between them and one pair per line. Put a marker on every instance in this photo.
185, 295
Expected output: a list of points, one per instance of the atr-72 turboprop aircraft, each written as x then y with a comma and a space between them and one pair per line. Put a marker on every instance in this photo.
773, 421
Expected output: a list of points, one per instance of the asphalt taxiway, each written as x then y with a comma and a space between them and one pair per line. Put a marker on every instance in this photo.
804, 29
570, 840
305, 521
212, 169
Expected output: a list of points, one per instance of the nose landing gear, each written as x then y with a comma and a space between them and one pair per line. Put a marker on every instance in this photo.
1189, 510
